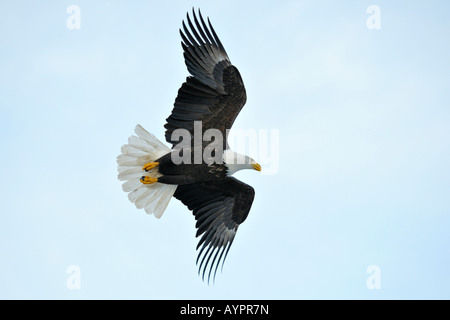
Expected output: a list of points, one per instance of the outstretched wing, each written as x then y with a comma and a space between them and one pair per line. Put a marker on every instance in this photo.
215, 94
219, 208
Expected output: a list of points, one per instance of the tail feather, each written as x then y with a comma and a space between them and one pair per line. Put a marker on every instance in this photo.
131, 185
134, 151
127, 161
141, 149
163, 202
150, 138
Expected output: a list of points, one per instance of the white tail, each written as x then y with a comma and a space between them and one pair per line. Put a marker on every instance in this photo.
142, 149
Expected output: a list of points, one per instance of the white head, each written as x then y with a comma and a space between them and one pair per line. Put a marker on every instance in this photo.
236, 161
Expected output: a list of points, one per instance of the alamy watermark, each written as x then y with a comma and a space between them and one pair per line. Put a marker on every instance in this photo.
374, 279
208, 146
73, 281
374, 20
73, 22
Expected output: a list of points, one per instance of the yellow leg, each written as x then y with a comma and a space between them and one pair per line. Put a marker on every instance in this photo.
149, 166
148, 180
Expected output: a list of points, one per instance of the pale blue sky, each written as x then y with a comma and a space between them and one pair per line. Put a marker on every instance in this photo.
364, 125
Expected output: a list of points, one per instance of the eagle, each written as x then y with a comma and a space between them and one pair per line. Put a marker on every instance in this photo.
198, 168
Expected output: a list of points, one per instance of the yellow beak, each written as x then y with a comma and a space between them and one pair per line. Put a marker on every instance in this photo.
256, 166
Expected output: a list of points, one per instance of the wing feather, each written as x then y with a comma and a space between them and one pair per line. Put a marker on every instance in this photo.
215, 92
219, 208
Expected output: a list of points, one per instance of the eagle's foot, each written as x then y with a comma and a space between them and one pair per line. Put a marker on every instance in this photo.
149, 166
148, 180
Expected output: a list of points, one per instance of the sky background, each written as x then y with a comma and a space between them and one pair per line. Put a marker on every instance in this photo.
363, 175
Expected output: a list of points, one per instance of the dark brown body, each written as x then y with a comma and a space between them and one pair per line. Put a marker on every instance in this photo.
187, 173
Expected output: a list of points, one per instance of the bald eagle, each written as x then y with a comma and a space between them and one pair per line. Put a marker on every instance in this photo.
211, 97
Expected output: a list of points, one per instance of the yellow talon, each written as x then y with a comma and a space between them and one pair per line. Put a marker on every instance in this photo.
149, 166
148, 180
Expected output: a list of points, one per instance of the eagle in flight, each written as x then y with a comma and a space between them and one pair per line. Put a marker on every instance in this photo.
196, 171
